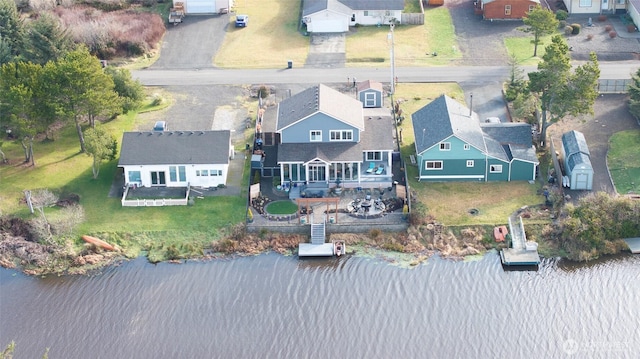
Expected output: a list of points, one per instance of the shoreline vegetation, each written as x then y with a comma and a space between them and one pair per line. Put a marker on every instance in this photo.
49, 241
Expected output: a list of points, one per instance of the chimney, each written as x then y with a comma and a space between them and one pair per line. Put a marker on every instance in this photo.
471, 107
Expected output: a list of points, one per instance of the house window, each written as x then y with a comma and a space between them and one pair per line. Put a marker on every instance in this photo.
433, 165
531, 7
620, 2
374, 156
507, 9
445, 146
467, 147
215, 172
316, 136
341, 135
495, 169
134, 176
204, 173
353, 17
173, 174
585, 3
470, 163
387, 13
366, 13
370, 99
182, 173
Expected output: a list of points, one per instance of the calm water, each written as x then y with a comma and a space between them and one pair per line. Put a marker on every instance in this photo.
272, 306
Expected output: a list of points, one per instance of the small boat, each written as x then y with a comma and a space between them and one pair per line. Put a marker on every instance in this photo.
339, 248
499, 233
98, 242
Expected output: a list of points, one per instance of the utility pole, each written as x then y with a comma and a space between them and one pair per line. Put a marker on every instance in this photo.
393, 65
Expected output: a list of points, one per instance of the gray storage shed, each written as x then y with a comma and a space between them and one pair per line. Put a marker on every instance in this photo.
577, 161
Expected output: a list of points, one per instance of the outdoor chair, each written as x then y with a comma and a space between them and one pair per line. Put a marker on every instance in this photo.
379, 170
372, 167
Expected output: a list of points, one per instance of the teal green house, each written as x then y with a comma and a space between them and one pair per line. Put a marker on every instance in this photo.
452, 144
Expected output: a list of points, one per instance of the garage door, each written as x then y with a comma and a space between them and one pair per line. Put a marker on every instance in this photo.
327, 26
201, 7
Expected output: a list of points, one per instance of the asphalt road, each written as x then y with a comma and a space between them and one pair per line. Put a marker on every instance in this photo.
477, 74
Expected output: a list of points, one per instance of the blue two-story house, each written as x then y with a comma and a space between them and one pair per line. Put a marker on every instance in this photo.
326, 138
452, 144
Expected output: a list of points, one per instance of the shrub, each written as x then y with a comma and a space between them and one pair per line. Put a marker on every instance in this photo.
568, 30
562, 15
263, 92
157, 100
374, 233
576, 29
631, 28
612, 34
608, 28
562, 24
590, 37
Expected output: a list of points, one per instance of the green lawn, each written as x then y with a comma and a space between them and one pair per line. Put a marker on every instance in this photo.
624, 162
522, 48
281, 207
62, 169
413, 44
449, 202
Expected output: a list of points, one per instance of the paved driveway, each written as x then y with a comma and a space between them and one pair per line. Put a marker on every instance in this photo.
611, 116
326, 51
193, 43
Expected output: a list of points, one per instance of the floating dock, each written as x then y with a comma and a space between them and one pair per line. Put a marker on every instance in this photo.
522, 252
634, 244
317, 247
315, 250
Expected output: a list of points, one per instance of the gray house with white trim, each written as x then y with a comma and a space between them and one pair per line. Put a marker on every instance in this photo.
176, 158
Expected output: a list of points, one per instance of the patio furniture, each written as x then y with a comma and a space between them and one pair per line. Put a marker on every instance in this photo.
372, 167
379, 170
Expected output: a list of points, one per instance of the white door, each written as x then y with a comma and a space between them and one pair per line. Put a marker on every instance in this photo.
581, 181
201, 7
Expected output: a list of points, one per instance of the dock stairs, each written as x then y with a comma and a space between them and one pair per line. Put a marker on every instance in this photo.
521, 252
318, 233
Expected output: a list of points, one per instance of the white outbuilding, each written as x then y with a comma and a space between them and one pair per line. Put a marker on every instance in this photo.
577, 161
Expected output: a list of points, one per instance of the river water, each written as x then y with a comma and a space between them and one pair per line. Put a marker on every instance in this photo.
272, 306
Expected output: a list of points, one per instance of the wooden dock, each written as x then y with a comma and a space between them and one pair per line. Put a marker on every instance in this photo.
634, 244
521, 253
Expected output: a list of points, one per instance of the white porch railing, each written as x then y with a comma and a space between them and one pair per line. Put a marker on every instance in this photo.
154, 202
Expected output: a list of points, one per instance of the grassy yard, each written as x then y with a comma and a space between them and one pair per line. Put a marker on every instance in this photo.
522, 48
624, 162
61, 168
413, 45
272, 38
269, 41
450, 203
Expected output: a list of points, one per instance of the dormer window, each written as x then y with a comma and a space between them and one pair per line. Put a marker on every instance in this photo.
445, 146
315, 136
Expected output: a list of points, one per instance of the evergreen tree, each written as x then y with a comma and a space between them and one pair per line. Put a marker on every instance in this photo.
11, 27
540, 22
560, 91
46, 40
634, 95
81, 89
130, 91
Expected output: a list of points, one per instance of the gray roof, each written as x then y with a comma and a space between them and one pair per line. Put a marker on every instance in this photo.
345, 6
374, 4
320, 98
175, 147
574, 142
445, 117
310, 7
378, 136
369, 85
515, 133
578, 159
